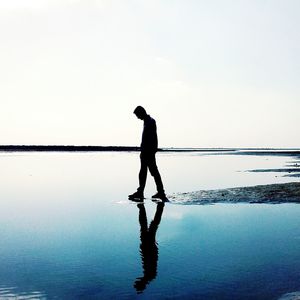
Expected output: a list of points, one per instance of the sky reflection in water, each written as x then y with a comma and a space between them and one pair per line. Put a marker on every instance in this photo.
68, 231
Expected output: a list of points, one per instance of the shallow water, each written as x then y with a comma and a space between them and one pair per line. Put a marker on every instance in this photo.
68, 232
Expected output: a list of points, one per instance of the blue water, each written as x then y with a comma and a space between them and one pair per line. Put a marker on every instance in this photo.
68, 232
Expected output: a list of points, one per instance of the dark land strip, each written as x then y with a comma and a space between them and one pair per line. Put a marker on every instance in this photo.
271, 194
74, 148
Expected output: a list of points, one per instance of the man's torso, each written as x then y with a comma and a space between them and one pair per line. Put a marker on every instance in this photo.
149, 137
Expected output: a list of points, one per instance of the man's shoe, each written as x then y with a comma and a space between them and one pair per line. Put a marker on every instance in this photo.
137, 196
161, 196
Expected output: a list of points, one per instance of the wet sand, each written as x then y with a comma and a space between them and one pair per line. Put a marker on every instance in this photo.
271, 193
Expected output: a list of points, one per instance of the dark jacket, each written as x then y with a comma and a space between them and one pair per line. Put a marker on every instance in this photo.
149, 137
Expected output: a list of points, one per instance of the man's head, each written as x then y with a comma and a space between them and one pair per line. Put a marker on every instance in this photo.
140, 112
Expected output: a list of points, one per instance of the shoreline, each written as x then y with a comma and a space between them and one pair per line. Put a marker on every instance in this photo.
74, 148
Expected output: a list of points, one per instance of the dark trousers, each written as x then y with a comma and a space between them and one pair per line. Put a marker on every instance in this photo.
148, 161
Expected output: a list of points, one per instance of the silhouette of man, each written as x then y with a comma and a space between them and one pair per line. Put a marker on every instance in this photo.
147, 156
148, 246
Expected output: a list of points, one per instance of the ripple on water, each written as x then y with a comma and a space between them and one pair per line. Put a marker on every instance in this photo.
291, 296
13, 293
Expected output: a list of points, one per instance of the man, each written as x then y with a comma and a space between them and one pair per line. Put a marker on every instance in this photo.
147, 156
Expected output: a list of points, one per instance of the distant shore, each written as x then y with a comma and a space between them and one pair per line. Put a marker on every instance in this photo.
74, 148
63, 148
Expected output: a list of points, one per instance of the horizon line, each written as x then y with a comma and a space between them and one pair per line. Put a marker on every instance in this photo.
95, 148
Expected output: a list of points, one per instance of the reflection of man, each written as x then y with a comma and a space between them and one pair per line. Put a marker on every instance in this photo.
148, 150
148, 246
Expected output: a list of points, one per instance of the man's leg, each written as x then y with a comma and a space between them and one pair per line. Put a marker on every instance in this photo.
155, 173
143, 173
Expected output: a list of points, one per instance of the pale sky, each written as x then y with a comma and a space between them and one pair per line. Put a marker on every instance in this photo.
213, 73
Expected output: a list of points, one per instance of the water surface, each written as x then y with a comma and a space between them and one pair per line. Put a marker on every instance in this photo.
68, 232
